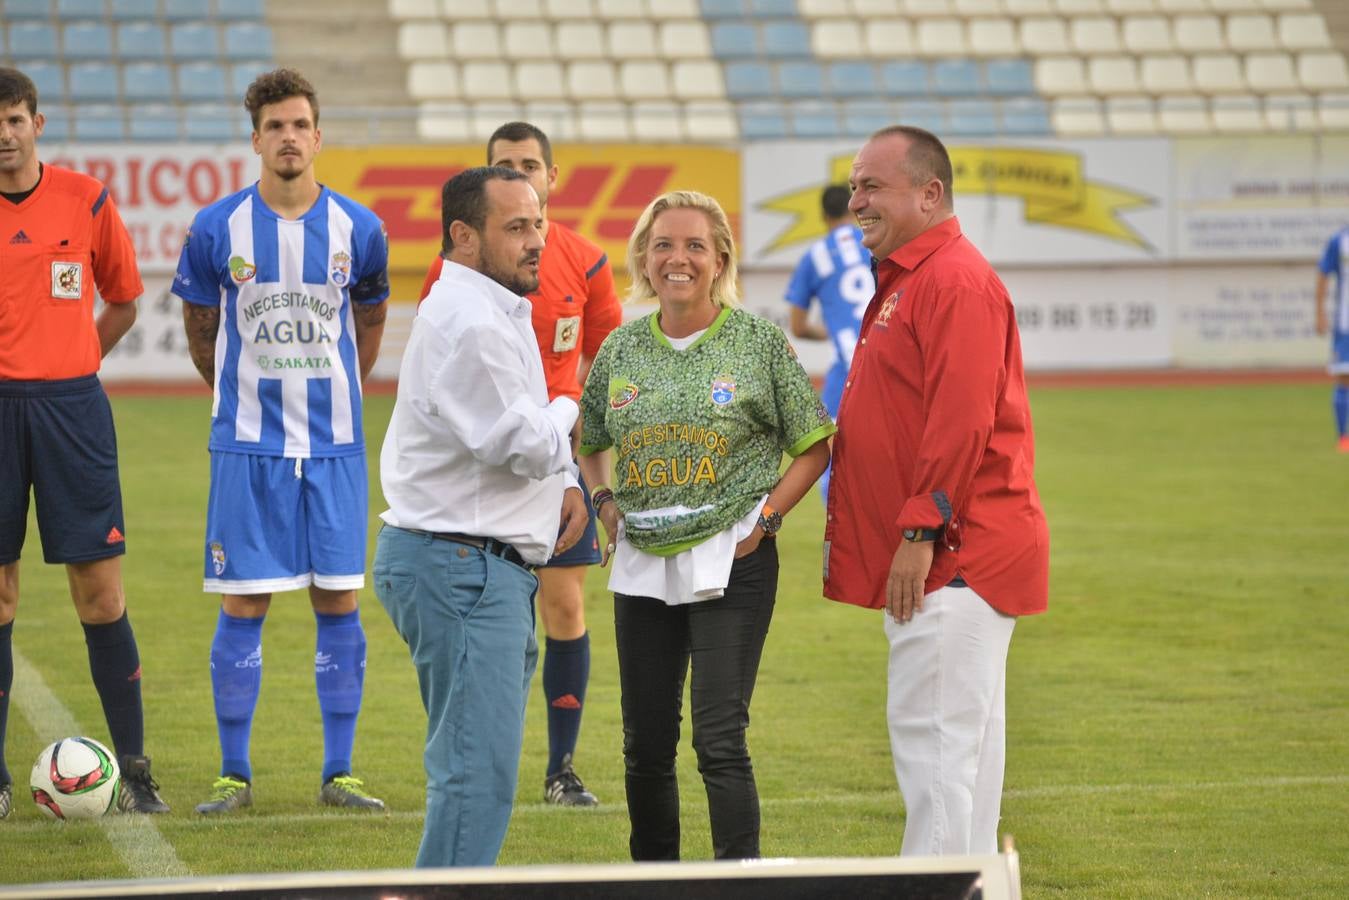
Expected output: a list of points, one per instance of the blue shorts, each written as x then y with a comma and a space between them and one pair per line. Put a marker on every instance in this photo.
57, 440
277, 524
1339, 353
586, 551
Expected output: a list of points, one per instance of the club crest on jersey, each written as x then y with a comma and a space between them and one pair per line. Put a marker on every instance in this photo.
241, 270
67, 279
218, 557
887, 308
723, 389
621, 392
339, 269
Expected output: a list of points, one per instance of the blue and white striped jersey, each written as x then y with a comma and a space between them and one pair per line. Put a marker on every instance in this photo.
1335, 261
287, 380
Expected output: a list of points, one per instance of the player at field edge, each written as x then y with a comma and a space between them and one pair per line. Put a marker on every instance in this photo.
1335, 261
573, 311
60, 237
836, 271
933, 514
299, 275
699, 400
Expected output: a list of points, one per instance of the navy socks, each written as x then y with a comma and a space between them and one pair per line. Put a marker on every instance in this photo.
115, 664
566, 669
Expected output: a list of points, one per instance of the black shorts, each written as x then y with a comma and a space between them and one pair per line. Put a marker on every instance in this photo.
586, 551
57, 439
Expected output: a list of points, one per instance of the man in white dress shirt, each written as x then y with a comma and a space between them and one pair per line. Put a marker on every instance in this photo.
476, 467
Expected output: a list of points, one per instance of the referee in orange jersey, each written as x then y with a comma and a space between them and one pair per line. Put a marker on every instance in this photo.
60, 237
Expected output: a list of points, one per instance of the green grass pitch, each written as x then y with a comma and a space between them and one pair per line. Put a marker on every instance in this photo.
1178, 721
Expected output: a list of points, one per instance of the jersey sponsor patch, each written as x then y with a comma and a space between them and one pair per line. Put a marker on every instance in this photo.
566, 334
723, 389
67, 279
241, 270
339, 268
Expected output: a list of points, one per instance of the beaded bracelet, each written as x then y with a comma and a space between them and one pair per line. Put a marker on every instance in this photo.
600, 496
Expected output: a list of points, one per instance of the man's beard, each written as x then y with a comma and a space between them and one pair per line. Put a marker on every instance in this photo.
513, 279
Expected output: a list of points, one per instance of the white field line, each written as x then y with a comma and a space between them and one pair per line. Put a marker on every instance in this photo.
134, 837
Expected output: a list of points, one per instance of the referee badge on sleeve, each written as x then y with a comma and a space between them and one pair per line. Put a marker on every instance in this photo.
67, 280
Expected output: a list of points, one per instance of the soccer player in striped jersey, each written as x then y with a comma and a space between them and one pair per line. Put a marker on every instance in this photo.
285, 286
836, 271
1335, 261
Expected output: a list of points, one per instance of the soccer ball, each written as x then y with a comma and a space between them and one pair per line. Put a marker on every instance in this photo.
75, 778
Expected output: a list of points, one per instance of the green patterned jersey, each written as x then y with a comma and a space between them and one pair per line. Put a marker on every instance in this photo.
698, 434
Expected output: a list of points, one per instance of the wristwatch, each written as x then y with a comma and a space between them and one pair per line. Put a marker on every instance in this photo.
770, 520
918, 535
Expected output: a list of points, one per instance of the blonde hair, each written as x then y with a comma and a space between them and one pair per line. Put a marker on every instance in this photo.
725, 293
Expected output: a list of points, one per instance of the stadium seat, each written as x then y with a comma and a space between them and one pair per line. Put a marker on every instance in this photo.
1008, 77
147, 82
592, 80
749, 80
710, 121
722, 9
1059, 75
93, 82
734, 40
684, 40
487, 80
1148, 34
852, 78
453, 10
1110, 75
182, 10
504, 10
1304, 32
136, 10
140, 40
644, 79
779, 9
837, 38
250, 10
1097, 34
1077, 117
1166, 75
1218, 73
973, 9
1198, 34
557, 119
580, 40
50, 80
1025, 116
57, 129
940, 37
762, 121
1250, 33
202, 82
210, 123
955, 77
32, 40
1291, 112
1130, 7
632, 40
1182, 6
443, 122
674, 9
1079, 7
86, 41
529, 40
968, 116
800, 78
1242, 114
540, 79
1130, 115
97, 123
696, 79
889, 38
242, 75
1183, 115
1322, 71
993, 37
475, 40
1333, 111
604, 122
904, 78
870, 9
568, 9
919, 8
1269, 73
657, 121
429, 80
485, 118
247, 40
154, 123
27, 9
819, 9
79, 9
863, 117
193, 41
813, 119
784, 38
401, 10
1042, 36
928, 114
1021, 8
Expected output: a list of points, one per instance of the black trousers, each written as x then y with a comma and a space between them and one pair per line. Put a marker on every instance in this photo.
723, 639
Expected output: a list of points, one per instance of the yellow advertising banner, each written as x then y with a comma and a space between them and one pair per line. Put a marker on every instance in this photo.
601, 188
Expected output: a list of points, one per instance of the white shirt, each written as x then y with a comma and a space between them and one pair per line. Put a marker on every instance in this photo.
474, 445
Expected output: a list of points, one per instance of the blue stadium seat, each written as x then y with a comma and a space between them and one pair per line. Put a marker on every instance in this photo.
32, 40
862, 117
154, 123
27, 9
242, 75
57, 129
814, 120
955, 77
183, 10
733, 40
929, 114
210, 123
776, 9
50, 80
748, 80
904, 78
762, 120
80, 9
248, 40
147, 82
1026, 115
1009, 77
93, 82
203, 81
133, 9
723, 9
852, 78
86, 40
97, 123
785, 38
801, 78
971, 116
253, 10
140, 40
194, 40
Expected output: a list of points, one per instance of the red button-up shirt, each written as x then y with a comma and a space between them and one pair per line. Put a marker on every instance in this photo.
935, 431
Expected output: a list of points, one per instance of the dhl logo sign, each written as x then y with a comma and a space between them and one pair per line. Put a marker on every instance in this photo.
600, 191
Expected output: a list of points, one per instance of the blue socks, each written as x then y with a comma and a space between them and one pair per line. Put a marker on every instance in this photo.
236, 678
339, 674
1341, 409
566, 669
115, 664
6, 684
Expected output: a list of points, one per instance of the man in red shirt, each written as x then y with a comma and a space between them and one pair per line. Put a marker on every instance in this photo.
954, 545
60, 236
574, 310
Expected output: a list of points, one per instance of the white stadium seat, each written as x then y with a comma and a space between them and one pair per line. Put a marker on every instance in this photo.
1058, 75
1290, 112
632, 40
568, 9
1198, 34
1322, 71
1287, 5
1271, 72
837, 38
529, 40
580, 40
621, 9
414, 9
558, 120
1029, 7
869, 8
887, 38
1184, 115
1148, 34
711, 121
698, 80
644, 80
1131, 115
1303, 31
975, 8
1130, 7
433, 80
448, 123
592, 80
923, 8
1041, 36
681, 40
1234, 6
454, 10
1113, 75
819, 9
655, 121
485, 118
1166, 74
1218, 73
604, 122
476, 40
1095, 34
1182, 6
487, 80
1077, 117
540, 79
422, 40
518, 9
1242, 114
940, 37
674, 9
1251, 32
1079, 7
1334, 111
994, 37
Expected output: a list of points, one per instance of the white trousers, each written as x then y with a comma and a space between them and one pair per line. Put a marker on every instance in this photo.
948, 722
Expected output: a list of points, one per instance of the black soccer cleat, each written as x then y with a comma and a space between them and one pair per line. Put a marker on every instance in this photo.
564, 788
140, 792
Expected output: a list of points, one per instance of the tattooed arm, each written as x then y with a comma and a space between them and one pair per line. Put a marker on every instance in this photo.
201, 324
369, 332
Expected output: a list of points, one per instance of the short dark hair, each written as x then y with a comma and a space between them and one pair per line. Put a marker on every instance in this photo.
16, 88
464, 199
927, 157
834, 201
522, 131
275, 86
